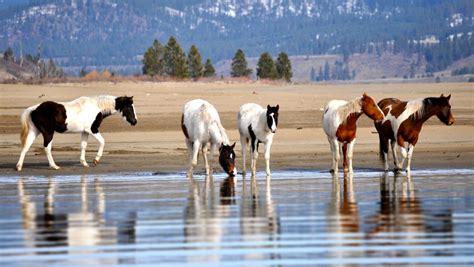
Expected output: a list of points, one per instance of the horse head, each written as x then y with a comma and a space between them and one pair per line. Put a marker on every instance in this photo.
124, 104
272, 117
371, 109
444, 109
227, 159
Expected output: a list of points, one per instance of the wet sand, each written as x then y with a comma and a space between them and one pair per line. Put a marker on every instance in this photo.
156, 144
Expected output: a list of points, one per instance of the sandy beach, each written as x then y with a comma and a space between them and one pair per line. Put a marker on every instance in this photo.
156, 143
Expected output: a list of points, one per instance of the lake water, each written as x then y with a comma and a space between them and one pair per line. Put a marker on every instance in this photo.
297, 218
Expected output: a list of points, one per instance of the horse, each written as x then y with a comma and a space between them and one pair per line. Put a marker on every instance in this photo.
82, 115
403, 122
257, 125
201, 126
340, 125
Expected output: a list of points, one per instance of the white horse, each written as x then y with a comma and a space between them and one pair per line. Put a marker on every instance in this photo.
82, 115
257, 125
201, 126
340, 125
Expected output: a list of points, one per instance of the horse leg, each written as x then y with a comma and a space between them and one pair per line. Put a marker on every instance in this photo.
268, 146
32, 134
243, 144
333, 143
409, 155
84, 137
383, 151
48, 143
189, 145
344, 155
194, 155
398, 167
101, 141
350, 152
204, 155
254, 156
404, 153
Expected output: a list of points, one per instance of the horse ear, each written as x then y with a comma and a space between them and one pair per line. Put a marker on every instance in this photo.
220, 148
278, 107
233, 145
365, 94
448, 97
268, 106
442, 95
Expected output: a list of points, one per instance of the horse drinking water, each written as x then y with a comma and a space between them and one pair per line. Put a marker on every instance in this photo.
403, 122
340, 125
83, 115
201, 126
257, 125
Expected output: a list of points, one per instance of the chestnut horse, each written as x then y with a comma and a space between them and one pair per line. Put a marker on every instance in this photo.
403, 122
340, 125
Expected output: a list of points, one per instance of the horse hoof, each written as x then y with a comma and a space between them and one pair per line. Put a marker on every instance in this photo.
95, 162
84, 164
397, 170
332, 171
54, 167
18, 168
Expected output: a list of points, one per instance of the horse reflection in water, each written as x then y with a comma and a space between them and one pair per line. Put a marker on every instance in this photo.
211, 220
259, 221
401, 211
87, 227
343, 215
206, 218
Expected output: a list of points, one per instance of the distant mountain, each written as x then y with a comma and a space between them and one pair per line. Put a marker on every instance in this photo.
79, 33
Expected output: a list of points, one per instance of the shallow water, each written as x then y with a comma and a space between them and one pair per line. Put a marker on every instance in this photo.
297, 218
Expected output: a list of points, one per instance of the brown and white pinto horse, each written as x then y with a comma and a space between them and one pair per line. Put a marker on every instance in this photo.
403, 122
340, 125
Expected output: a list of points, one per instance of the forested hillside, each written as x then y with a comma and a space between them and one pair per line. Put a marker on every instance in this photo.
81, 33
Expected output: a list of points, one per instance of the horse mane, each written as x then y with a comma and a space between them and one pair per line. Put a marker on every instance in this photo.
417, 108
353, 106
206, 116
106, 103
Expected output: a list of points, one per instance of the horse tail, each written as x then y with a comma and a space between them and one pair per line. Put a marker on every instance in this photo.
25, 125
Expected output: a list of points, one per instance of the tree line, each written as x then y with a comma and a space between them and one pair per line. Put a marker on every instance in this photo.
170, 60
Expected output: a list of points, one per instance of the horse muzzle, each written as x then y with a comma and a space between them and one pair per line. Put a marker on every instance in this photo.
133, 122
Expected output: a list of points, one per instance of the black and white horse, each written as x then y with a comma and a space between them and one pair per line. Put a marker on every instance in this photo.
202, 126
82, 115
257, 125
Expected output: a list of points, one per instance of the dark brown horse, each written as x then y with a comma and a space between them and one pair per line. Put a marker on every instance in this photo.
403, 122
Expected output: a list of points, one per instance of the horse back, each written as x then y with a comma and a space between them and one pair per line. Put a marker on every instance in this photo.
393, 106
249, 114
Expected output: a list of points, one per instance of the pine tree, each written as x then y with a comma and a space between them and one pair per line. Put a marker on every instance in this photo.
174, 60
283, 67
209, 70
313, 76
194, 63
8, 54
82, 72
239, 65
326, 74
320, 74
266, 68
153, 59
